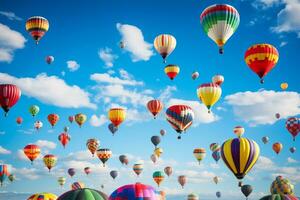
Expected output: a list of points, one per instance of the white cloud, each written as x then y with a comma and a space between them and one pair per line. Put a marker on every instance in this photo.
50, 90
283, 43
4, 151
258, 107
10, 41
10, 15
107, 56
72, 65
291, 160
29, 173
134, 41
46, 144
98, 121
21, 155
264, 4
167, 93
264, 163
80, 155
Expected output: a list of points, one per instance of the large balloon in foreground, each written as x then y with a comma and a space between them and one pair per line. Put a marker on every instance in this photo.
164, 45
261, 58
281, 186
172, 71
34, 110
168, 170
37, 26
158, 177
50, 161
116, 116
32, 151
199, 154
9, 96
182, 180
124, 159
104, 155
83, 194
92, 145
280, 197
240, 155
209, 94
155, 106
4, 173
180, 117
53, 119
43, 196
277, 147
218, 79
80, 119
49, 59
292, 124
246, 190
71, 172
64, 139
219, 22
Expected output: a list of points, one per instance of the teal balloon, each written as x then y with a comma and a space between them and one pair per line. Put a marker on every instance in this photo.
83, 194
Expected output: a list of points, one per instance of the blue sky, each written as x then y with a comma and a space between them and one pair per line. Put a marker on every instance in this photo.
101, 75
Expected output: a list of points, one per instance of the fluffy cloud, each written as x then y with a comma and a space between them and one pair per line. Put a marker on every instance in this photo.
264, 163
10, 41
50, 90
98, 121
10, 15
46, 144
264, 4
72, 65
260, 107
291, 160
28, 173
107, 56
4, 151
134, 41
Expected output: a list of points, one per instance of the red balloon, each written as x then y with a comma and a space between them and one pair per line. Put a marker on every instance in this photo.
53, 119
19, 120
9, 96
155, 106
292, 124
64, 139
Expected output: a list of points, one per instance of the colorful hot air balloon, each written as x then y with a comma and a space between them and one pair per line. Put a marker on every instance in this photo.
155, 106
246, 190
32, 151
80, 119
293, 149
77, 185
199, 154
92, 145
4, 173
277, 147
162, 132
71, 119
138, 168
219, 22
180, 117
64, 139
37, 26
172, 71
34, 110
9, 96
19, 120
216, 156
154, 158
155, 140
61, 181
113, 174
83, 194
240, 155
43, 196
87, 170
209, 94
158, 151
124, 159
280, 197
216, 180
158, 177
112, 128
11, 177
218, 79
214, 147
168, 170
265, 139
261, 58
284, 86
277, 115
53, 119
239, 131
71, 172
281, 186
192, 196
218, 194
104, 155
292, 124
50, 161
38, 125
49, 59
164, 45
116, 116
195, 75
182, 180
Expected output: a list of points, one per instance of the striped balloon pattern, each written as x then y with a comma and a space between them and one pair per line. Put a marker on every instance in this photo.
77, 185
280, 197
199, 154
43, 196
9, 96
50, 161
138, 168
192, 196
172, 71
158, 177
116, 116
164, 45
209, 94
104, 155
37, 26
155, 106
92, 145
61, 181
240, 155
281, 186
219, 22
32, 151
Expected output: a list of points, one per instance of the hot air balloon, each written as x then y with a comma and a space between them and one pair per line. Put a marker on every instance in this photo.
246, 190
218, 79
155, 140
199, 154
168, 170
155, 106
64, 139
284, 86
71, 172
216, 156
293, 149
116, 116
218, 194
280, 197
43, 196
182, 180
9, 96
104, 155
113, 174
195, 75
50, 161
158, 151
77, 185
38, 125
239, 131
34, 110
138, 168
216, 180
32, 151
11, 177
37, 26
219, 22
66, 128
154, 158
214, 147
209, 94
122, 45
71, 119
180, 117
281, 186
192, 196
87, 170
112, 128
92, 145
123, 159
265, 139
261, 58
49, 59
164, 45
240, 155
162, 132
80, 119
172, 71
19, 120
277, 147
158, 177
277, 115
292, 124
4, 173
61, 181
83, 194
53, 119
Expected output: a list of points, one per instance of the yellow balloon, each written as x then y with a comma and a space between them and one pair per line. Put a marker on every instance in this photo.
158, 151
284, 86
209, 94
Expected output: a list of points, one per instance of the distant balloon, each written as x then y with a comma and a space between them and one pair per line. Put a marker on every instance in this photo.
239, 131
218, 79
61, 181
168, 170
277, 115
265, 139
246, 190
214, 147
112, 128
158, 151
104, 155
292, 124
192, 196
138, 168
9, 96
158, 177
162, 132
155, 106
284, 86
113, 174
277, 147
32, 151
172, 71
71, 119
38, 125
155, 140
182, 180
49, 59
218, 194
92, 145
293, 149
4, 173
216, 156
11, 177
216, 180
19, 120
87, 170
64, 139
37, 26
199, 154
124, 159
77, 185
50, 161
195, 75
122, 45
154, 158
53, 119
209, 94
66, 128
164, 45
34, 110
116, 116
71, 172
80, 119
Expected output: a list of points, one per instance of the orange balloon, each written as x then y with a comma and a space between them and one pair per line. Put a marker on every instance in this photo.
32, 151
277, 147
53, 119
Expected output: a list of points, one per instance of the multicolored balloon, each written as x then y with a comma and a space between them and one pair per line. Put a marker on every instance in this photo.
239, 131
281, 186
192, 196
284, 86
158, 177
168, 170
80, 119
172, 71
218, 79
77, 185
34, 110
216, 156
37, 26
32, 151
53, 119
209, 94
92, 145
43, 196
104, 155
138, 168
116, 116
4, 173
61, 181
277, 147
124, 159
292, 124
164, 45
199, 154
9, 96
50, 161
71, 119
155, 106
182, 180
38, 125
214, 147
49, 59
83, 194
280, 197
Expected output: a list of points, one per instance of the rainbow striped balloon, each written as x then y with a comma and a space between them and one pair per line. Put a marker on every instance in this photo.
77, 185
37, 26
